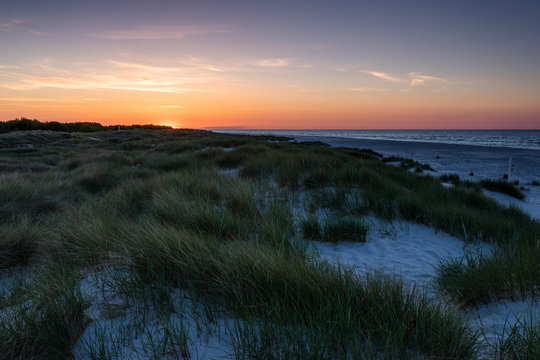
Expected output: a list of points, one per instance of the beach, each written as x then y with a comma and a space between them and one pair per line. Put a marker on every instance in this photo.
482, 161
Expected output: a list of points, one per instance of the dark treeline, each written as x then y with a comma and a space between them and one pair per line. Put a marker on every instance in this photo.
24, 124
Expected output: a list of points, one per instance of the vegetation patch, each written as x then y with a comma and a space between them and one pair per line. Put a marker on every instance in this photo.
408, 163
504, 187
345, 228
156, 203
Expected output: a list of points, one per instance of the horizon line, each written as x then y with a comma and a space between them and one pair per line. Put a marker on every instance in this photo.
365, 129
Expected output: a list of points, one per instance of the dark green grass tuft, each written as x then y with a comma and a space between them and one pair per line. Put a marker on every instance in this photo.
509, 272
504, 187
408, 163
334, 305
49, 319
520, 341
33, 195
19, 242
311, 228
452, 178
345, 229
501, 186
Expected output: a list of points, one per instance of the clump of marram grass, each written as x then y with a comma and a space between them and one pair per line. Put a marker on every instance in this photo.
49, 318
219, 206
255, 280
151, 320
330, 198
311, 228
277, 227
19, 242
451, 178
503, 187
508, 272
520, 340
33, 195
335, 309
407, 163
346, 228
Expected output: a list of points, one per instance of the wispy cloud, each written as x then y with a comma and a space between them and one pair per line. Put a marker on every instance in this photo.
39, 33
418, 78
366, 89
381, 75
112, 74
34, 99
412, 79
18, 24
275, 62
202, 64
146, 32
105, 82
143, 68
269, 63
10, 24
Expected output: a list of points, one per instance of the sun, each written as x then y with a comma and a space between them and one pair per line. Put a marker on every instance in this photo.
169, 123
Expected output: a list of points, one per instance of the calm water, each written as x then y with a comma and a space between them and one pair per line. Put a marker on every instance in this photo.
518, 139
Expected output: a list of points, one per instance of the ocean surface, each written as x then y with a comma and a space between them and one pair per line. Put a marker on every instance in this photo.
516, 139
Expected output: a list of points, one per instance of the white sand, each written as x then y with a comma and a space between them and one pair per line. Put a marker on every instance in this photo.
405, 250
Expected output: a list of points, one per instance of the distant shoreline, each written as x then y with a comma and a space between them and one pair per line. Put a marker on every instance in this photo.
516, 139
463, 159
483, 161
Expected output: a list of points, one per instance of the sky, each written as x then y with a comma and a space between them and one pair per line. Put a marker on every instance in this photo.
273, 64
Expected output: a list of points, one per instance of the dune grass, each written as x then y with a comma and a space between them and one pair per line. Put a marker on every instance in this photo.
520, 340
502, 186
162, 204
47, 318
345, 228
284, 289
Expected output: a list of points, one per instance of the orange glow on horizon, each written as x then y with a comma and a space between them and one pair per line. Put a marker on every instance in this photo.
270, 106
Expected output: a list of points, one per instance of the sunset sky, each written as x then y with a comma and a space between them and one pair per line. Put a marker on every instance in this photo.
273, 64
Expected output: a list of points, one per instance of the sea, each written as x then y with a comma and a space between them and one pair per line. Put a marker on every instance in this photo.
516, 139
